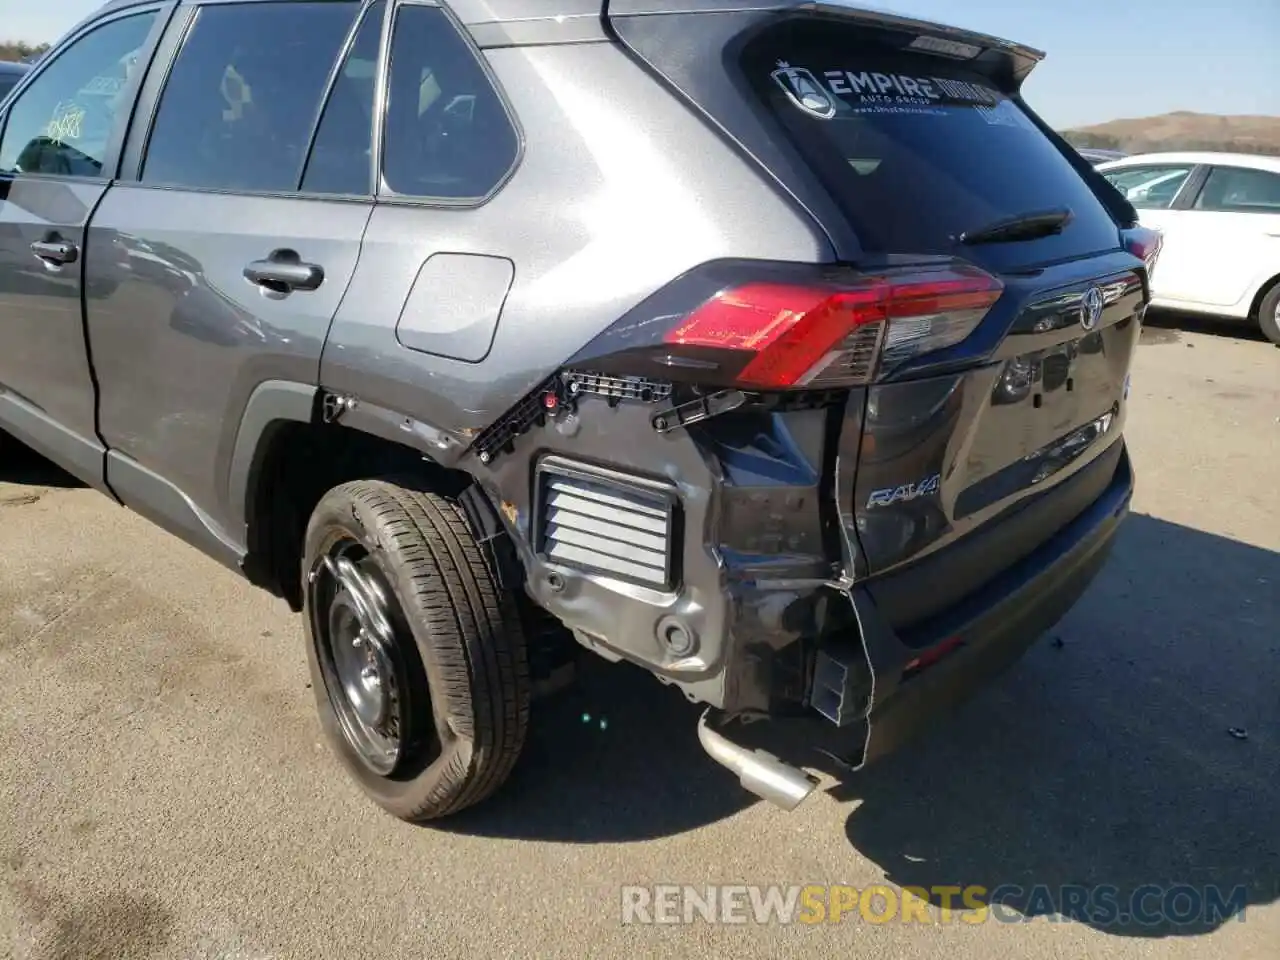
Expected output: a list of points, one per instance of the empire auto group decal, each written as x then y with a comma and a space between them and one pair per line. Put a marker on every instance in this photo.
871, 91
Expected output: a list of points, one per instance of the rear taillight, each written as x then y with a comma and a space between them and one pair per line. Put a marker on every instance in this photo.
779, 335
1145, 244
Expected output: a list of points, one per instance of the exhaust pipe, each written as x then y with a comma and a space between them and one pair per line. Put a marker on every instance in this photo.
762, 773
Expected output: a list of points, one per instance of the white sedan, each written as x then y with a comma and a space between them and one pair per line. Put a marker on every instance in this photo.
1220, 216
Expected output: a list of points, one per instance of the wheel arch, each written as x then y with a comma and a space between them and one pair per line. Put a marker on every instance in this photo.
1264, 288
291, 449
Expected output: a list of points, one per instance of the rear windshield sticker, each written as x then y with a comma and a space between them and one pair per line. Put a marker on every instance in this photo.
870, 91
1004, 114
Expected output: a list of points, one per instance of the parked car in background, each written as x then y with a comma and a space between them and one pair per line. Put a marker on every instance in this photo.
1096, 156
1220, 217
10, 74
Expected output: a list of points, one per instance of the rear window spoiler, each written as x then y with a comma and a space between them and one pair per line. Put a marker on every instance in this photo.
1021, 59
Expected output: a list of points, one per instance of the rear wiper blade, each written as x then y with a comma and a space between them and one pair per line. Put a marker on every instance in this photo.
1025, 226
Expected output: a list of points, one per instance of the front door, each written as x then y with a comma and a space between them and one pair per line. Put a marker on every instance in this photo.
57, 153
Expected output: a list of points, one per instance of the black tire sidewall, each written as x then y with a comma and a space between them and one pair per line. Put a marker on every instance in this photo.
341, 514
1267, 319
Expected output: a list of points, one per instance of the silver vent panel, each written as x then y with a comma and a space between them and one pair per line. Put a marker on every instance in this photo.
606, 523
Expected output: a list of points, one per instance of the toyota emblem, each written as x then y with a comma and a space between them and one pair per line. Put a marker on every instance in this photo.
1091, 308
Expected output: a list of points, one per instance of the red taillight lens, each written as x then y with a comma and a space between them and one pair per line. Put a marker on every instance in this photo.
787, 330
796, 336
1145, 244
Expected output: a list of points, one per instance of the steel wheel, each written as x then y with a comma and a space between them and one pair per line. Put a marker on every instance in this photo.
417, 653
360, 642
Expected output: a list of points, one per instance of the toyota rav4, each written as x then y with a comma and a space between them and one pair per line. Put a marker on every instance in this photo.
776, 347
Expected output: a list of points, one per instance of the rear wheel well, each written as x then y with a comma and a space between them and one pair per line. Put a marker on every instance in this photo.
296, 465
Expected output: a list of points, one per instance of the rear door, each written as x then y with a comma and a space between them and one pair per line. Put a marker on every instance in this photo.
229, 243
1233, 227
58, 149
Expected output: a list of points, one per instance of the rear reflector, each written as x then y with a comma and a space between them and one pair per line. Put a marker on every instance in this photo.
931, 656
791, 335
1145, 244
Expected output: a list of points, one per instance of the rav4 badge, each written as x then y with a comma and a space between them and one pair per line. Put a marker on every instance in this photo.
905, 493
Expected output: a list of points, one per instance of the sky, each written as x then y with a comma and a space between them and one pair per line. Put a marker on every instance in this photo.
1107, 59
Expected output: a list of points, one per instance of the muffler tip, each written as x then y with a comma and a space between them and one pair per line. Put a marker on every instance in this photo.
759, 772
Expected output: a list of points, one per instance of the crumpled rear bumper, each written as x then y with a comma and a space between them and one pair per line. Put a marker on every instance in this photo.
891, 690
910, 689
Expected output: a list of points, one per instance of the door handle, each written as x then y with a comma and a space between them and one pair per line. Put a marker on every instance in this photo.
58, 252
283, 271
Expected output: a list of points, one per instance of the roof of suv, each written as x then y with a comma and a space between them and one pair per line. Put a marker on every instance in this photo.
481, 11
496, 11
7, 66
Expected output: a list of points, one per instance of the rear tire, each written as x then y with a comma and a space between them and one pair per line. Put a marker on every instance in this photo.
1269, 315
430, 713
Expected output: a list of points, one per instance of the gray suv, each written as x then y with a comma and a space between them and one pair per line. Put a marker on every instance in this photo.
778, 348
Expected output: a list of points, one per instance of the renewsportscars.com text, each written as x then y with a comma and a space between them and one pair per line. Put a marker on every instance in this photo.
1099, 906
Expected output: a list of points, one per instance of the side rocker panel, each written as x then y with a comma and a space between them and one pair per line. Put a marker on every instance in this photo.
79, 456
152, 496
271, 404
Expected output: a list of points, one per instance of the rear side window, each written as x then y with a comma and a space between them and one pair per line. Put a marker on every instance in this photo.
341, 159
448, 135
917, 149
243, 96
1240, 190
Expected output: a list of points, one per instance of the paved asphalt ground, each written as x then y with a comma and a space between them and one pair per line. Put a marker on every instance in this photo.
165, 793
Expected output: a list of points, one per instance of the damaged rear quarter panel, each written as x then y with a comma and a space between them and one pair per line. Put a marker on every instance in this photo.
620, 189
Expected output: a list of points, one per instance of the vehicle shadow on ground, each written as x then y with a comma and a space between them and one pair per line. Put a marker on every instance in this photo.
1108, 761
22, 466
613, 759
1167, 326
1145, 750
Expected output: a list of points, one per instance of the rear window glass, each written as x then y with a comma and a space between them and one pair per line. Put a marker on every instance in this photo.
917, 150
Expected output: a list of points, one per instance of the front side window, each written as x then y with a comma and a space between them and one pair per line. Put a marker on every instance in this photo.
1240, 190
1150, 188
242, 98
64, 120
448, 135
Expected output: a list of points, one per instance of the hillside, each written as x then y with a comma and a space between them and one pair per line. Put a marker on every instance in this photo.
17, 50
1183, 131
